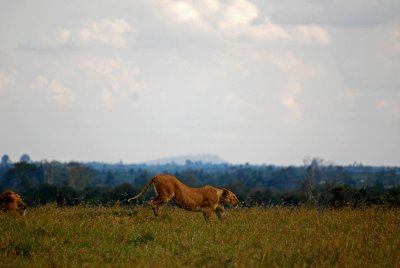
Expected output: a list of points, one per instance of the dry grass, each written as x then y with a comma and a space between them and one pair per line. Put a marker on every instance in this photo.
255, 237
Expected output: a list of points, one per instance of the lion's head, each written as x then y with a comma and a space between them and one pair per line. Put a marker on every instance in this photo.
12, 202
229, 197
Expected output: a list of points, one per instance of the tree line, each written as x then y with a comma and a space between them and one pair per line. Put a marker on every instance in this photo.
316, 182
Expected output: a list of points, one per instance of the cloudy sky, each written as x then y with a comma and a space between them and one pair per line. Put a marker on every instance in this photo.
249, 80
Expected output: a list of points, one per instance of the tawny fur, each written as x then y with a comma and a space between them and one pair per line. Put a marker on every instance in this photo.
206, 199
12, 202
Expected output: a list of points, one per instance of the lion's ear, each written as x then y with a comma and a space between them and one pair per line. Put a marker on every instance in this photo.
225, 192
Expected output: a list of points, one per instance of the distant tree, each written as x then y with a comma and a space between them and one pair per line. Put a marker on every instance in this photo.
41, 195
25, 158
55, 173
338, 199
67, 196
312, 178
307, 186
260, 196
99, 195
5, 165
379, 185
79, 176
124, 191
23, 175
394, 196
239, 189
360, 198
110, 179
5, 160
142, 177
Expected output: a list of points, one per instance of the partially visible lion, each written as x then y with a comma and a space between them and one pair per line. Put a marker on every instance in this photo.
206, 199
12, 202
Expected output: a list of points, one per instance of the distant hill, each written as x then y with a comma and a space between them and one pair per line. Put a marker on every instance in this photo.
181, 160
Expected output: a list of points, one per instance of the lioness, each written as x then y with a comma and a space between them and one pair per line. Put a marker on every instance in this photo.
12, 202
206, 199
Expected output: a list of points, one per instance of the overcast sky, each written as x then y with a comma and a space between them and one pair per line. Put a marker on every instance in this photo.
249, 80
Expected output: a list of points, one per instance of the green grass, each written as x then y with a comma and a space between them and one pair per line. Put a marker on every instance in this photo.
256, 237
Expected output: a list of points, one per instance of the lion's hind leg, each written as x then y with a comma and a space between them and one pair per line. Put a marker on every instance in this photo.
156, 203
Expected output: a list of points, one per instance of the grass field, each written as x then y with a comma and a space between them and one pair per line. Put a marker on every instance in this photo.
255, 237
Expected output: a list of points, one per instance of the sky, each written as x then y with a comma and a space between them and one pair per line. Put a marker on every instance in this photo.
264, 82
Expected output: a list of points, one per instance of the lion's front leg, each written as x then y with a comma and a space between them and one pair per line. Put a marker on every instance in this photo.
207, 213
220, 212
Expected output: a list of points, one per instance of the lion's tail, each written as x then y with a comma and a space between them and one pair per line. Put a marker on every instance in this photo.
143, 191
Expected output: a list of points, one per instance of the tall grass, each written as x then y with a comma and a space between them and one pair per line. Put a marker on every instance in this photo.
253, 237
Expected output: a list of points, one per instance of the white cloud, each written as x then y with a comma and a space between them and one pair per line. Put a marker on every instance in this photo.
290, 104
108, 98
396, 35
233, 99
7, 80
182, 11
41, 81
55, 91
294, 66
311, 34
254, 62
391, 106
237, 18
396, 41
268, 31
101, 65
63, 35
108, 31
288, 62
358, 13
349, 95
210, 6
338, 13
237, 12
119, 79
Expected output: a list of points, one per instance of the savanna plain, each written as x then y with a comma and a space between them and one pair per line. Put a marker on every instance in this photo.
85, 236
